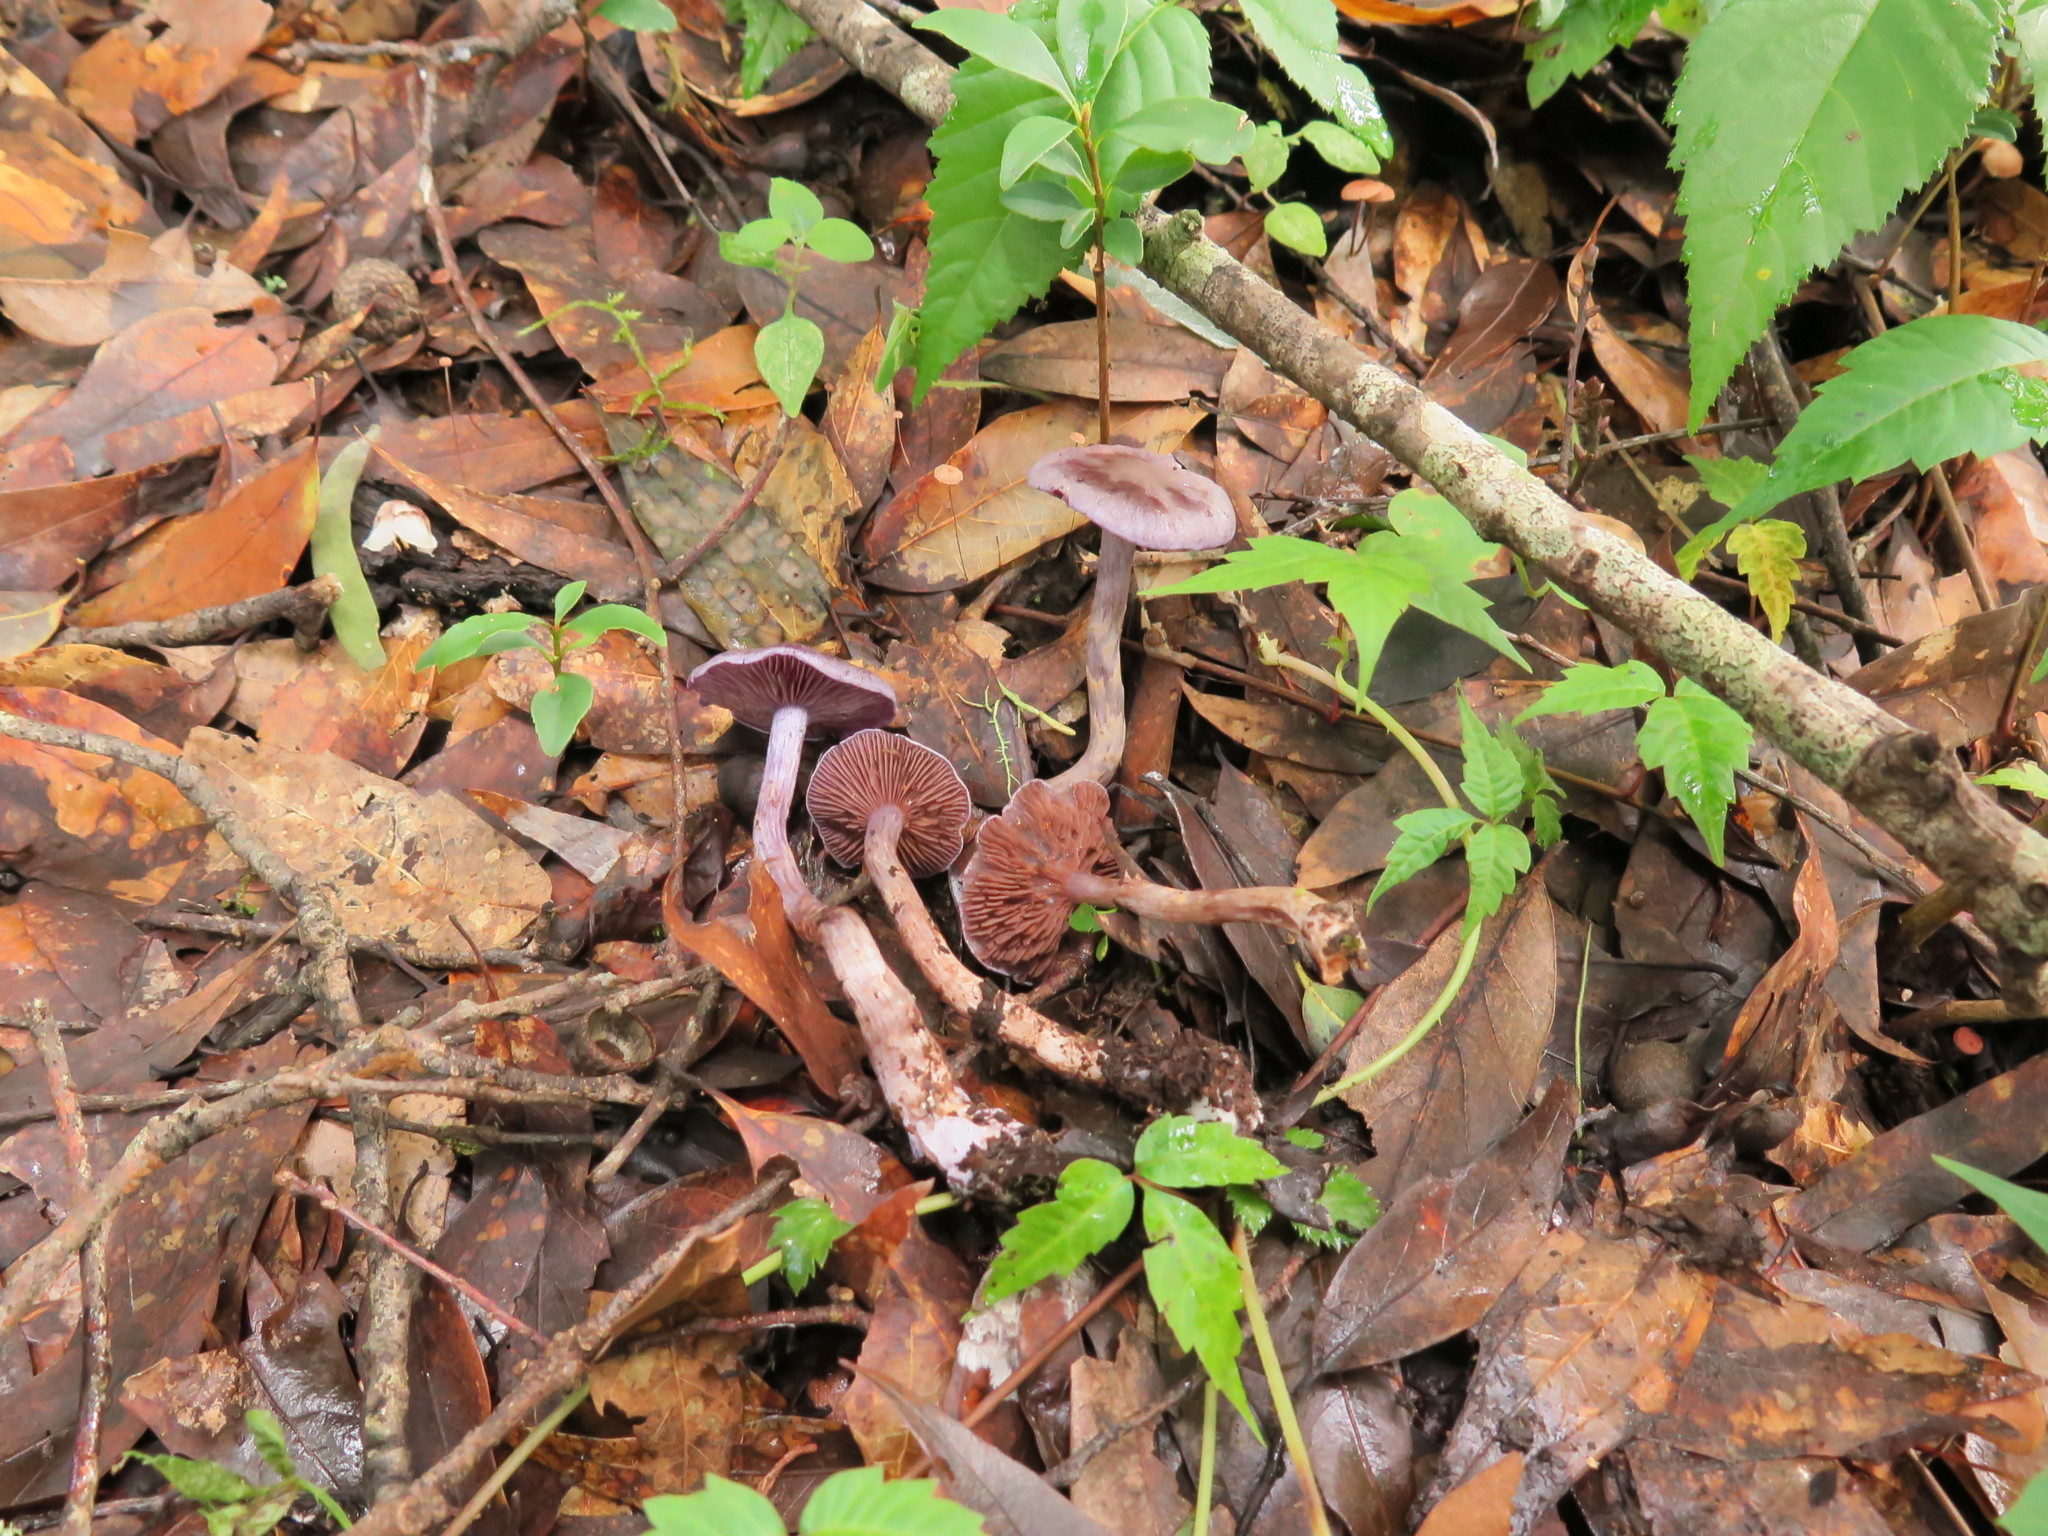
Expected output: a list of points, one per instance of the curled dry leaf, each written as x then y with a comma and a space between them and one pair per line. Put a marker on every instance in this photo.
140, 75
570, 538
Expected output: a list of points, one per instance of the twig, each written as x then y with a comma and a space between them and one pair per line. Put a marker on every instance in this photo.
1966, 547
98, 1374
678, 567
248, 930
684, 1049
521, 1453
1064, 1474
568, 1355
327, 1199
1652, 439
1819, 611
384, 1320
837, 1314
1382, 333
305, 606
614, 85
453, 50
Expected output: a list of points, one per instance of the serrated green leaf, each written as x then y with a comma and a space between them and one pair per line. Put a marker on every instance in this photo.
788, 351
1587, 688
1699, 743
1731, 482
1433, 533
1493, 778
804, 1233
1265, 158
795, 204
463, 640
1271, 561
557, 711
770, 33
1030, 142
1581, 36
1302, 36
1343, 150
997, 39
592, 622
720, 1508
354, 614
1371, 597
1308, 1140
840, 240
1252, 1209
1768, 553
1298, 227
1182, 1152
1349, 1202
862, 1502
270, 1442
2026, 776
1090, 1208
205, 1483
1193, 1276
1424, 837
1546, 819
1324, 1010
1495, 855
638, 15
1783, 164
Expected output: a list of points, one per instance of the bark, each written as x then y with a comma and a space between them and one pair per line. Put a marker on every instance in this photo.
1902, 781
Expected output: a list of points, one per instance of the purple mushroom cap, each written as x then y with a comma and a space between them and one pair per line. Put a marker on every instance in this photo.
1144, 497
873, 769
836, 695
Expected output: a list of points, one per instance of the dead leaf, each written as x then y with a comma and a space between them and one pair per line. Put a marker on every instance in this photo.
1275, 729
486, 454
1953, 684
849, 1172
569, 538
716, 374
1146, 362
1482, 1505
374, 719
139, 277
1778, 1032
1656, 389
401, 865
628, 711
860, 422
47, 534
140, 75
1127, 1487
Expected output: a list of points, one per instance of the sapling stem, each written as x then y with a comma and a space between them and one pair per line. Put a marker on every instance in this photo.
1423, 1025
1205, 1479
1276, 1381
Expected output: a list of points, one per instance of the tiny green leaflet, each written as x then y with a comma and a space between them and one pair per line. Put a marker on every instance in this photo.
1090, 1208
1699, 743
859, 1502
804, 1233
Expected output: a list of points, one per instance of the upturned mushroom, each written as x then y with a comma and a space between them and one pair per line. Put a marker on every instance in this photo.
1053, 849
1140, 500
898, 809
787, 691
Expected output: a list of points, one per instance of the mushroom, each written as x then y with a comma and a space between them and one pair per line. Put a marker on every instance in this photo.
1052, 849
1139, 500
788, 690
897, 808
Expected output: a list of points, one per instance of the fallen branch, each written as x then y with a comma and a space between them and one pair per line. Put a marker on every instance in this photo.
1902, 779
305, 606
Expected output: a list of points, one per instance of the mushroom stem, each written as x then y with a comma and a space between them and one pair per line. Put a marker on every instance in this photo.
1105, 751
771, 817
1321, 926
1017, 1024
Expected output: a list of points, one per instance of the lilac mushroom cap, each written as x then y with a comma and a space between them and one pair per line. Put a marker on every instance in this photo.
1144, 497
835, 695
1013, 902
871, 770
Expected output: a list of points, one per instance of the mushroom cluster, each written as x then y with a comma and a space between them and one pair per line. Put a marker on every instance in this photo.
899, 811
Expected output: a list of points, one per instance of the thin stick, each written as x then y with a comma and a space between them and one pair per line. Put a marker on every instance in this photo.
466, 1516
327, 1199
1205, 1481
384, 1321
684, 1049
678, 567
1652, 439
304, 605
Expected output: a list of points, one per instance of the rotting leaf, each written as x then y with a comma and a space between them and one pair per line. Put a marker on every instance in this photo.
570, 538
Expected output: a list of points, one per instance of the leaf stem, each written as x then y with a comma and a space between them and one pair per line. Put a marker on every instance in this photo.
1205, 1480
1423, 1025
1276, 1381
1361, 701
516, 1460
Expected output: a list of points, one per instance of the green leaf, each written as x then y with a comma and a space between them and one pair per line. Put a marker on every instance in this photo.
2026, 776
1494, 856
1699, 743
1432, 532
463, 640
755, 244
804, 1233
788, 351
2027, 1207
1341, 149
1090, 1208
270, 1442
1265, 158
1493, 779
1424, 837
1731, 482
1124, 247
1586, 32
1298, 227
203, 1482
840, 240
862, 1502
1048, 200
568, 598
354, 616
1768, 553
1587, 688
1308, 1140
1348, 1201
795, 204
1325, 1010
1007, 44
1210, 130
1923, 392
1252, 1209
1860, 101
720, 1508
1302, 35
1193, 1275
770, 32
2029, 1513
1182, 1152
1272, 561
592, 622
557, 711
1030, 142
638, 15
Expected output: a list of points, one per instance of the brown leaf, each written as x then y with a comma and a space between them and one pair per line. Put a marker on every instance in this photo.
763, 964
1447, 1246
488, 454
561, 271
402, 867
954, 704
860, 422
716, 374
974, 513
687, 1400
374, 719
919, 1299
569, 538
65, 949
1358, 834
1146, 362
1457, 1092
47, 534
1276, 729
1816, 1496
1656, 389
1953, 683
846, 300
1126, 1487
1484, 1504
1778, 1032
139, 277
628, 710
140, 75
2005, 499
175, 361
849, 1172
1361, 1442
244, 547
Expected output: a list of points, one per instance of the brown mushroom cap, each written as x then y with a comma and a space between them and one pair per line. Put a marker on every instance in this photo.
872, 769
1137, 495
1013, 910
837, 695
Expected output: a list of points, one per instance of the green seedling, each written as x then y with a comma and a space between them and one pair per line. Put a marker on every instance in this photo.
790, 348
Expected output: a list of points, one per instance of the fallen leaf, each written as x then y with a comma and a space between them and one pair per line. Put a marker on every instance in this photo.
1276, 729
860, 421
140, 75
486, 454
1953, 683
716, 374
374, 719
1146, 362
47, 534
629, 711
27, 619
1126, 1486
849, 1172
566, 537
139, 277
1482, 1505
1656, 390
